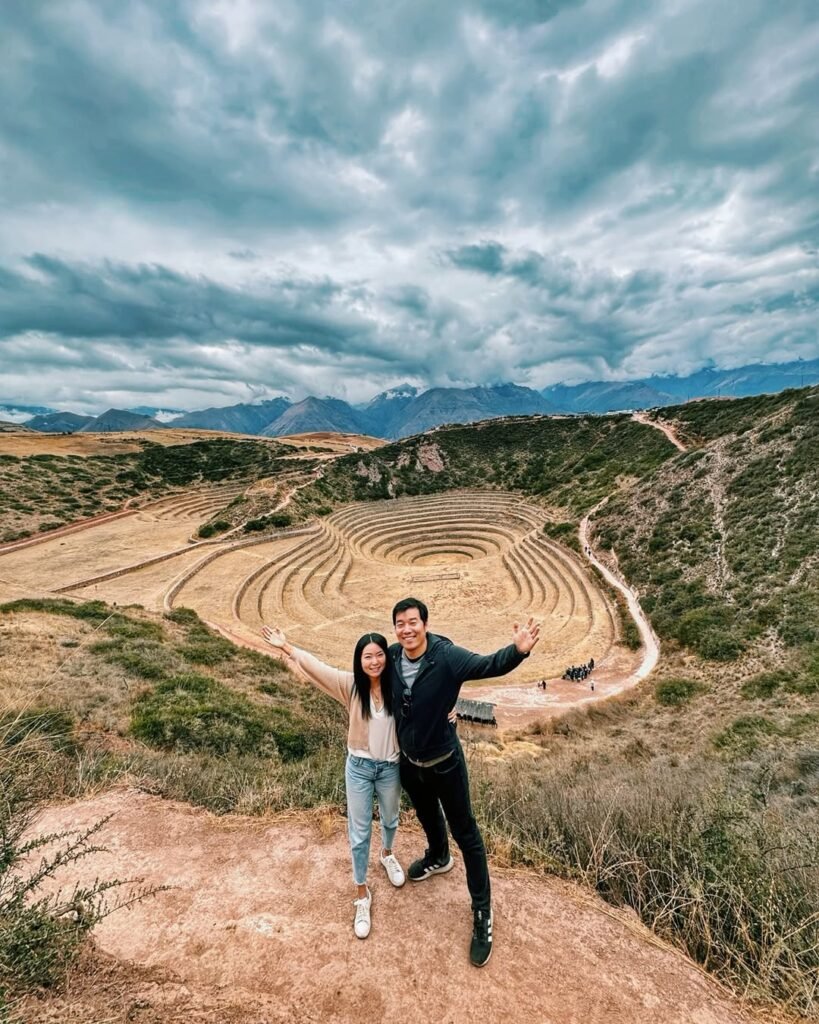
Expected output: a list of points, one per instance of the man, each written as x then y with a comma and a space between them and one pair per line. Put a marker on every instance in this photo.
429, 672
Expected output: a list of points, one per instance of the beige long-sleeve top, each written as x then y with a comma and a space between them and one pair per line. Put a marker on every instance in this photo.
339, 685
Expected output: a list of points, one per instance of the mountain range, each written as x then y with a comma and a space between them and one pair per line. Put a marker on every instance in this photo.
406, 410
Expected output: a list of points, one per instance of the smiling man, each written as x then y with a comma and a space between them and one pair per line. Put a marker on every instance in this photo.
430, 671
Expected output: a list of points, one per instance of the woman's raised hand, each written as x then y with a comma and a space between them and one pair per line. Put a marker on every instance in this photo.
274, 636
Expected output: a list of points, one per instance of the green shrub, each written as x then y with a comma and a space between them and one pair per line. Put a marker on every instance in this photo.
744, 735
673, 692
765, 684
211, 529
719, 645
184, 616
145, 659
193, 712
41, 934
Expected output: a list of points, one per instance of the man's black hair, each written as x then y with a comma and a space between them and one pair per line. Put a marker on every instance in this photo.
406, 604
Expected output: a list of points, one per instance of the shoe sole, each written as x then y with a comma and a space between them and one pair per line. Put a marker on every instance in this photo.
435, 871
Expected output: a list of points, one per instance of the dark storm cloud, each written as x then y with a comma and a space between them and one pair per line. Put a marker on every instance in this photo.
318, 197
148, 302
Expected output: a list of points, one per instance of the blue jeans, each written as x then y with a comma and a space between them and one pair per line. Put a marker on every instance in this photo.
365, 778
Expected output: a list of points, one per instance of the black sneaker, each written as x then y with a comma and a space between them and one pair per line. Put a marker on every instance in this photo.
426, 866
481, 948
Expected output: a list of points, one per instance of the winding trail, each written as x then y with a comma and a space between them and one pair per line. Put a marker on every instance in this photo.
651, 644
665, 428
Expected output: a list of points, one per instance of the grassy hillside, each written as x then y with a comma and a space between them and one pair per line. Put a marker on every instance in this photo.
161, 699
723, 542
571, 462
41, 492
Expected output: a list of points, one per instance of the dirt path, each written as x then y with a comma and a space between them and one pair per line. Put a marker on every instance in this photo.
258, 929
666, 428
651, 645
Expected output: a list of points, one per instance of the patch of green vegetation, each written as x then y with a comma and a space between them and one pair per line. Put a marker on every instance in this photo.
765, 684
563, 533
677, 691
194, 712
212, 529
145, 659
276, 520
743, 736
91, 611
206, 648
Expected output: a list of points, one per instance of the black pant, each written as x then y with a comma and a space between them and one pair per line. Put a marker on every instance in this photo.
442, 790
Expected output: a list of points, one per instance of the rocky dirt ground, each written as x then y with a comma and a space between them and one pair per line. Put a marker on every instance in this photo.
257, 928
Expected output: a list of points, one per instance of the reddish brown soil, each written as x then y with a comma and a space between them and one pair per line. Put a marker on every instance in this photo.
258, 928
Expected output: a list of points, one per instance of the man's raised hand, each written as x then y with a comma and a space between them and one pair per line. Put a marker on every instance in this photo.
526, 636
275, 637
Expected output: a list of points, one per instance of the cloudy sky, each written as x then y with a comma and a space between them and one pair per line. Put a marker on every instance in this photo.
218, 201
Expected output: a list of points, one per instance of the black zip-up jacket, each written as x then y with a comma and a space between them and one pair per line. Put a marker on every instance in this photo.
420, 713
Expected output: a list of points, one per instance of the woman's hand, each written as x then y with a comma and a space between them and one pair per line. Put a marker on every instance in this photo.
275, 637
452, 717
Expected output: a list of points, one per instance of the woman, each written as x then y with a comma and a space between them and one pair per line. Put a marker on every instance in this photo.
372, 753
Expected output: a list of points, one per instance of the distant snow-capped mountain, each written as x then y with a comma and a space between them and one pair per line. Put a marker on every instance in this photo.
404, 410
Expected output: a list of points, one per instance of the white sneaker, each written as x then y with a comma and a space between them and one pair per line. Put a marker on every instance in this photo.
361, 925
394, 870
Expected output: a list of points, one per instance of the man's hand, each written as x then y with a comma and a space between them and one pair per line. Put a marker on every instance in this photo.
275, 637
525, 637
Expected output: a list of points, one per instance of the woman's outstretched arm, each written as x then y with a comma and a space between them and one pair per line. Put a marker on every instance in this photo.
332, 681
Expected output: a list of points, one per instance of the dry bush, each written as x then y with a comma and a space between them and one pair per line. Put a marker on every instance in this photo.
702, 862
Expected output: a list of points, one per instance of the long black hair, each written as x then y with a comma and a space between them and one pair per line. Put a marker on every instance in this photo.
361, 680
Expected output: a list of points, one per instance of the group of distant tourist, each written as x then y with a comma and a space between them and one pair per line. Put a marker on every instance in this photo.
574, 673
400, 702
577, 673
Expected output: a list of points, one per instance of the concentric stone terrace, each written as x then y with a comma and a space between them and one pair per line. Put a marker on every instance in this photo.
479, 559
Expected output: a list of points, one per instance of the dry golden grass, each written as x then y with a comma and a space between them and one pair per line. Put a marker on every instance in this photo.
34, 443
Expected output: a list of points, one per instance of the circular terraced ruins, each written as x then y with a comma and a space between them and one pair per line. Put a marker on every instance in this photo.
479, 559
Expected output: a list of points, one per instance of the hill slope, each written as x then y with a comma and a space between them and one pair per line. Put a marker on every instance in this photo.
567, 462
723, 542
